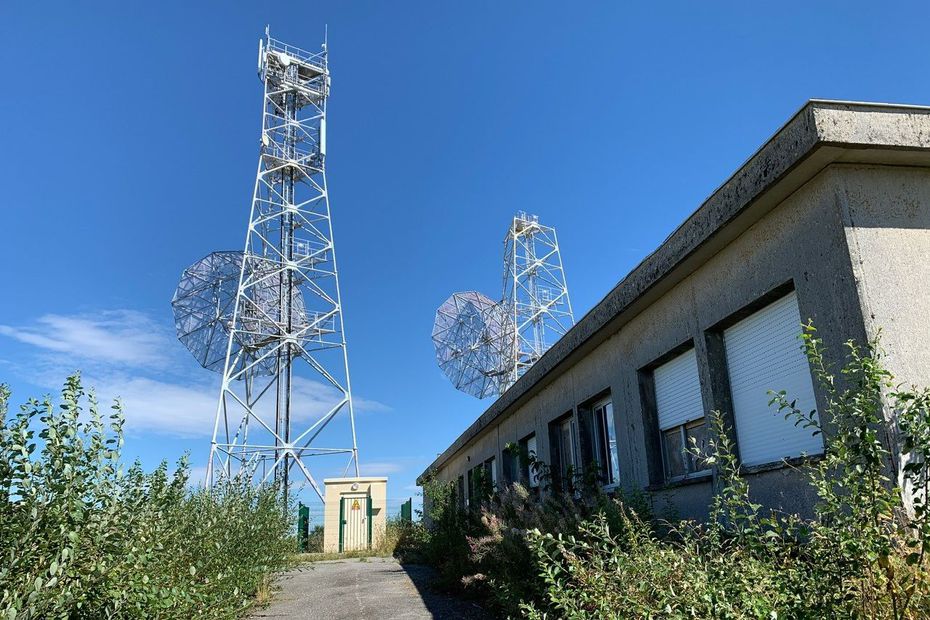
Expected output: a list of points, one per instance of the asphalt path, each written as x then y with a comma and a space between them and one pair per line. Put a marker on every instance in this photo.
363, 590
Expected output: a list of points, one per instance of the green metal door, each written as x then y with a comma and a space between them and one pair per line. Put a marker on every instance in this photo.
356, 530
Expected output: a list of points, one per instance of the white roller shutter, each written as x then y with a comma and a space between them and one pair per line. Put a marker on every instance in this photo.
764, 353
678, 391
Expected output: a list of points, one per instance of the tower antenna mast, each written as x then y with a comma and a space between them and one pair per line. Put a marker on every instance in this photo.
286, 370
483, 346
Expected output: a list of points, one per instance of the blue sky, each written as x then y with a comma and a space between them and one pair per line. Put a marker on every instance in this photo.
130, 135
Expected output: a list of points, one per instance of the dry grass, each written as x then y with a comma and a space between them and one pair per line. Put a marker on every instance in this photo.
384, 546
264, 592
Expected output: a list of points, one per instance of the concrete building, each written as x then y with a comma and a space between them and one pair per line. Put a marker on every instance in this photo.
830, 221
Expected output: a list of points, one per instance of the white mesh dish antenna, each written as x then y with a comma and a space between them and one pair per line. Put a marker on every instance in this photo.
473, 337
483, 346
203, 305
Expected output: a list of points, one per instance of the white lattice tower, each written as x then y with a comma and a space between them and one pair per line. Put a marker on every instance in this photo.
535, 290
286, 334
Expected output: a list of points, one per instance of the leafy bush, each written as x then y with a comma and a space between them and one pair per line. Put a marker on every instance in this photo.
81, 538
315, 540
863, 555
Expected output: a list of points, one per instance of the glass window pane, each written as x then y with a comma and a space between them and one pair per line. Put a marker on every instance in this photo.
672, 451
612, 444
492, 472
600, 445
532, 474
697, 436
565, 448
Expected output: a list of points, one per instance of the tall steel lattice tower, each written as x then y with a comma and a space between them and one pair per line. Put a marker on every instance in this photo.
286, 372
535, 290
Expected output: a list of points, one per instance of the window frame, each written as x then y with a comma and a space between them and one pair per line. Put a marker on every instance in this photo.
559, 479
491, 472
469, 486
526, 472
737, 419
461, 488
606, 456
682, 423
687, 457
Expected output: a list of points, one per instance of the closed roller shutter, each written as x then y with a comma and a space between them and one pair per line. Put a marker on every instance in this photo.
765, 353
678, 391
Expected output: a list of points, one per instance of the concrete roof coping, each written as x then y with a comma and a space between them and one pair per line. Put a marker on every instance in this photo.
361, 479
820, 133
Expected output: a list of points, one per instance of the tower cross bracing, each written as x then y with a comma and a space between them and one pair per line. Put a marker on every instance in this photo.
286, 332
483, 346
535, 290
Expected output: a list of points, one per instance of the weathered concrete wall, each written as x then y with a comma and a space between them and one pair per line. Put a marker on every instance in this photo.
886, 213
836, 206
821, 133
802, 241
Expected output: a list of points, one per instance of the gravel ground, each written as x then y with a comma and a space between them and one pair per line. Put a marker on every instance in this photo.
376, 588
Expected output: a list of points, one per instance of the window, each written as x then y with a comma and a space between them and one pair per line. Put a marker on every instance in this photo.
517, 462
520, 462
461, 494
562, 446
510, 461
605, 442
471, 489
490, 472
678, 445
681, 416
482, 482
764, 353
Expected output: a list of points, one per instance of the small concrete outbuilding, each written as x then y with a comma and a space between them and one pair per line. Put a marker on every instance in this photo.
829, 221
355, 516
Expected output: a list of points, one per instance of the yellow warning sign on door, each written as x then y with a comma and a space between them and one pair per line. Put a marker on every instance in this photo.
355, 505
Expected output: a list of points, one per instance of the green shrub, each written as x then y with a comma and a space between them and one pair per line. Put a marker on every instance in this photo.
82, 538
862, 556
315, 540
587, 555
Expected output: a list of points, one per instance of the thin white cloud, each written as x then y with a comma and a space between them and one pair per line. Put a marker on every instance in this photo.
166, 408
123, 337
157, 406
197, 476
382, 468
128, 355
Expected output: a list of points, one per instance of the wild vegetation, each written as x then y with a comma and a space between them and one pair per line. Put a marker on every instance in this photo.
589, 555
82, 537
384, 544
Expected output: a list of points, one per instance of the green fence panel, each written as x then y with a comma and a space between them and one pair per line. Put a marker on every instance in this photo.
303, 527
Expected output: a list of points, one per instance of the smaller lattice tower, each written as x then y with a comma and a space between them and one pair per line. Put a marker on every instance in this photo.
535, 291
484, 346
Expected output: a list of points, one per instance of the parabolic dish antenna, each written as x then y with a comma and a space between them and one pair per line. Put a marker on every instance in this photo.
203, 306
474, 338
